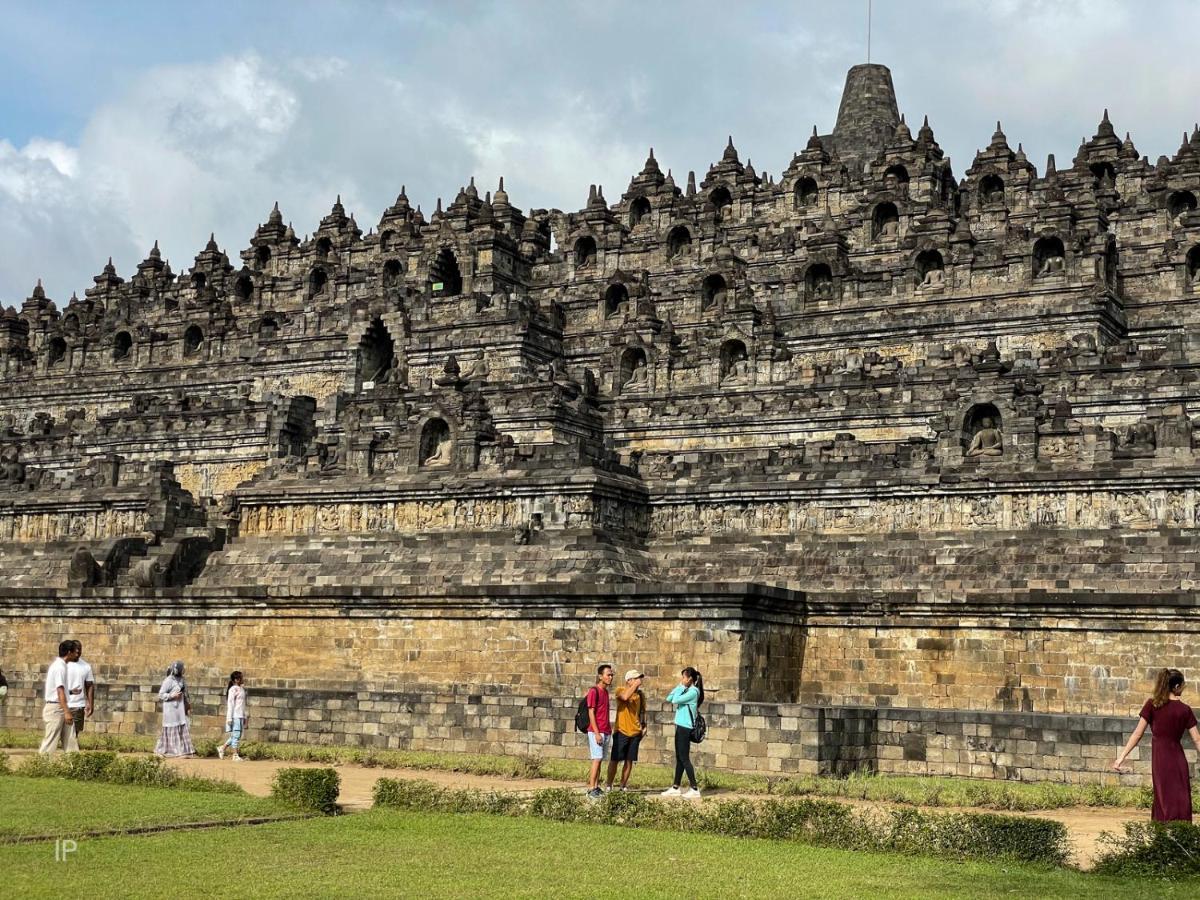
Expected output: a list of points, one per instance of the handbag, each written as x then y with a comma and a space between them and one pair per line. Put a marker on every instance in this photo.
699, 726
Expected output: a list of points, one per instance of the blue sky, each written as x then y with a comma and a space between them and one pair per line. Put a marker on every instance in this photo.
125, 123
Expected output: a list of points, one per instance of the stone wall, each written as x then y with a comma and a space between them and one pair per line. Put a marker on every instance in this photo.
769, 739
1040, 697
1039, 664
527, 640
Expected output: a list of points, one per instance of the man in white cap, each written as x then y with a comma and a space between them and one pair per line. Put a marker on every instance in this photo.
631, 725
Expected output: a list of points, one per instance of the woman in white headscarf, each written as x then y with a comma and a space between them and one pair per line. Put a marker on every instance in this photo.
175, 739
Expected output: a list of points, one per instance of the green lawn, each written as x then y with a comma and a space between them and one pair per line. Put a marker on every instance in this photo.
383, 853
55, 806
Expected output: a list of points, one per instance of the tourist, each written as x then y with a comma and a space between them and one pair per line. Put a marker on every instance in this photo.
3, 686
599, 731
687, 697
81, 689
631, 725
235, 715
60, 733
176, 738
1168, 718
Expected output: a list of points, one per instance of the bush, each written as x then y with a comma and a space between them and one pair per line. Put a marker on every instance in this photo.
404, 794
825, 823
1019, 838
87, 766
106, 766
1158, 849
4, 769
311, 789
558, 804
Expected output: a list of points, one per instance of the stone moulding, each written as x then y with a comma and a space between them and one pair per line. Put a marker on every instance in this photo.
882, 510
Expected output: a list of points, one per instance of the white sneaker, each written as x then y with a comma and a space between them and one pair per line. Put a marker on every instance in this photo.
237, 758
671, 792
691, 794
221, 751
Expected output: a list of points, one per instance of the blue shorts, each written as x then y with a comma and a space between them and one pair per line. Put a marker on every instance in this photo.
235, 733
598, 749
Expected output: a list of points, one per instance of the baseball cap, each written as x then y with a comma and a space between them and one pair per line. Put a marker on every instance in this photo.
632, 674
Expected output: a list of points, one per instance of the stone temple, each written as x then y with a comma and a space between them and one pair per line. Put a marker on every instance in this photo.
903, 460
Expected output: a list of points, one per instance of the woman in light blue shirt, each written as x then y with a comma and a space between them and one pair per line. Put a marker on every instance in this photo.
687, 697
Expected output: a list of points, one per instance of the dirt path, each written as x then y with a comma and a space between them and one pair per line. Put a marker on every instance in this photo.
1084, 824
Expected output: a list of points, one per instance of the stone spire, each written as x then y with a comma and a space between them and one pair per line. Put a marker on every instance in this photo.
1128, 150
868, 115
651, 166
999, 139
925, 134
730, 154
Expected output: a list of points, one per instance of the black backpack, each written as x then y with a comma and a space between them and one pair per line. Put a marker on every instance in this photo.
582, 720
699, 726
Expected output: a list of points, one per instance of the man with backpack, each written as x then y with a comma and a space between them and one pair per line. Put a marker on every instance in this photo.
599, 729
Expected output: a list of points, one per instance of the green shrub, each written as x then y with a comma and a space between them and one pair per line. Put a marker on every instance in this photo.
975, 836
558, 804
809, 820
38, 767
145, 770
1019, 838
4, 768
311, 789
402, 793
107, 766
813, 821
617, 808
1157, 849
90, 766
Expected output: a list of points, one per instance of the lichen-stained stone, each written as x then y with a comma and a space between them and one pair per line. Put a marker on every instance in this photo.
864, 440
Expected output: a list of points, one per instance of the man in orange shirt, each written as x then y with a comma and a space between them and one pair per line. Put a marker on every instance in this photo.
631, 725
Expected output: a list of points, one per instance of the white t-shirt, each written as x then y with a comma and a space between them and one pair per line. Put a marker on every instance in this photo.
78, 674
56, 677
235, 703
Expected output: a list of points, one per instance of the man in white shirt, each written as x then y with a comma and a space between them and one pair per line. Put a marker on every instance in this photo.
55, 713
81, 688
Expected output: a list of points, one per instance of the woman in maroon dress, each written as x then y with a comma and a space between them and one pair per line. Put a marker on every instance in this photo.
1168, 718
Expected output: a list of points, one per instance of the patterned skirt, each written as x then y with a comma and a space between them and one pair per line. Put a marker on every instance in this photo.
175, 740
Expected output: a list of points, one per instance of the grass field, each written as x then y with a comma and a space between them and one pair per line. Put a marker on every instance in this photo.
53, 806
443, 855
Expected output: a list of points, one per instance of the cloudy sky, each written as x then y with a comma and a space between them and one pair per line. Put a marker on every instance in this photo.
129, 122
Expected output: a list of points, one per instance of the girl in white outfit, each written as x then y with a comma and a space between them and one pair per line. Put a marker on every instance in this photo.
235, 715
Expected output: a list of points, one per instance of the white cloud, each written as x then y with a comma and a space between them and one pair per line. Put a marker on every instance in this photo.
166, 160
428, 95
